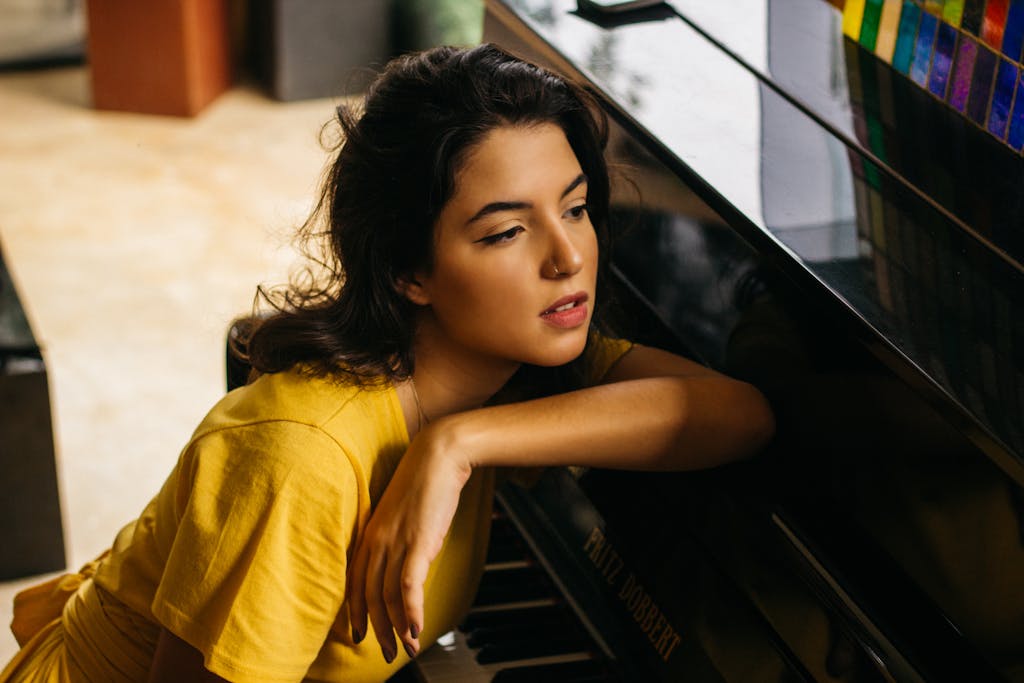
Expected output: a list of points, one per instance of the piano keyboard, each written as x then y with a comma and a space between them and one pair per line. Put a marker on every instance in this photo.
519, 628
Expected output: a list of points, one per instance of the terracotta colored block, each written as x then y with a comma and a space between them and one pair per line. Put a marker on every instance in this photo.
159, 56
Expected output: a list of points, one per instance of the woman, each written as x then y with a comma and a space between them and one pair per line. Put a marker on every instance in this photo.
338, 505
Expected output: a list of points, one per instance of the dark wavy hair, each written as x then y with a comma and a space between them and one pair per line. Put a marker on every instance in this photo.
394, 171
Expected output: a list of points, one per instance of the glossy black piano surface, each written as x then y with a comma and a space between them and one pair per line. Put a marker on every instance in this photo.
873, 290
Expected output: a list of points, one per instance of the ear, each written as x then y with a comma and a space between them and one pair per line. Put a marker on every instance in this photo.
411, 287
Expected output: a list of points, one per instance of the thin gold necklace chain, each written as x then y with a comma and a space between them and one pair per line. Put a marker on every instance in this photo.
421, 417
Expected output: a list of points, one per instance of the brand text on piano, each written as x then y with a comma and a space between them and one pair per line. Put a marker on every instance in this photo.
638, 602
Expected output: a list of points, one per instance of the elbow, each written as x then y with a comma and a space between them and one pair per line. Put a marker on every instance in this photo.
757, 427
731, 422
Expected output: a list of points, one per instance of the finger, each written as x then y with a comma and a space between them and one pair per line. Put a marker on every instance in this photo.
377, 609
356, 594
414, 574
393, 602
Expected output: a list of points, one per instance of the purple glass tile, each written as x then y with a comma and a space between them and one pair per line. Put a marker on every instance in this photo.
962, 70
981, 85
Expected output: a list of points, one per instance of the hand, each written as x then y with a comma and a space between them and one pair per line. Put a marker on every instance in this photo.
402, 538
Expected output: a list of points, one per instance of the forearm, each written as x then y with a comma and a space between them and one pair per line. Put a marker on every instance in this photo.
654, 423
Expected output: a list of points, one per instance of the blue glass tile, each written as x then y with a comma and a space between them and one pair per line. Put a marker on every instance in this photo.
942, 60
1013, 33
1002, 98
905, 37
923, 48
1015, 138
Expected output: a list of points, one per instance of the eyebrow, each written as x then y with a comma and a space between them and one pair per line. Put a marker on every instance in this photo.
497, 207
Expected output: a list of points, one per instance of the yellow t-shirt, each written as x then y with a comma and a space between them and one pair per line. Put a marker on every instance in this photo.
243, 552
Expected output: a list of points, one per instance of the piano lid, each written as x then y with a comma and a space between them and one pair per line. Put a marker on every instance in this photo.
933, 298
933, 131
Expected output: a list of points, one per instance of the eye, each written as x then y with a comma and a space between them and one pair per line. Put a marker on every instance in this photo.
577, 212
502, 237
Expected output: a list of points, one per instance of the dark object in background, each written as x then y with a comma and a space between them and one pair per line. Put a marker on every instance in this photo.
318, 48
32, 537
41, 34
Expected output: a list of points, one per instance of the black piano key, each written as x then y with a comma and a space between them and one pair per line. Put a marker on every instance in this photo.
544, 624
524, 615
518, 584
503, 547
582, 671
519, 632
510, 651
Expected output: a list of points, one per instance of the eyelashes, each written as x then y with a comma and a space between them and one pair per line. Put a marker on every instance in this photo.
579, 211
500, 237
575, 213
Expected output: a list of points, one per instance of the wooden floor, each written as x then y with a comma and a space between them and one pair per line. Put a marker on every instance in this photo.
133, 240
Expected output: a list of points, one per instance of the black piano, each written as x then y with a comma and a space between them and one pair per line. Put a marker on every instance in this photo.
799, 215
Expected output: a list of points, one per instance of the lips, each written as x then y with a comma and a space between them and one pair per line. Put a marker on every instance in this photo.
569, 311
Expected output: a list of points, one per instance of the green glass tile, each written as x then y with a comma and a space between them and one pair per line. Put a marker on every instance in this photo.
869, 26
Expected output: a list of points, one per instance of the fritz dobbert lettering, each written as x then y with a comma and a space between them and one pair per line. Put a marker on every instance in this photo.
631, 593
603, 555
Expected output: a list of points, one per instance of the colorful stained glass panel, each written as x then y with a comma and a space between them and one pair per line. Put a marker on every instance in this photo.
965, 52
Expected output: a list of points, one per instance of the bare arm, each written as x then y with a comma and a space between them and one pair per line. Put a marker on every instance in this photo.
175, 661
654, 411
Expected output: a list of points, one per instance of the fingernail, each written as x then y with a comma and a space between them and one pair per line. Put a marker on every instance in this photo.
357, 636
410, 651
388, 656
414, 631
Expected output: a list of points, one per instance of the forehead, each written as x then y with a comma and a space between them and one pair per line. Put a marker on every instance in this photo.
516, 162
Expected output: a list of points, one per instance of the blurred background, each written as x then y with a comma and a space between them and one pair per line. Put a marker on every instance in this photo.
155, 159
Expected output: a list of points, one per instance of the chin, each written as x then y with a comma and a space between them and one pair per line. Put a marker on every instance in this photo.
565, 352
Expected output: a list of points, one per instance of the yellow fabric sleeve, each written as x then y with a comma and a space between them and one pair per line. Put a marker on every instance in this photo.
601, 354
256, 574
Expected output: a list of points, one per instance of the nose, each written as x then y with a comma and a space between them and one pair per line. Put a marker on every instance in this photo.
564, 258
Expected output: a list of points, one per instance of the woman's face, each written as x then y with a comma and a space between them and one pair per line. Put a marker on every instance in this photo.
515, 260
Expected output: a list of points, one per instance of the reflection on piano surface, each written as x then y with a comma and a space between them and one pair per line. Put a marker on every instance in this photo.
808, 221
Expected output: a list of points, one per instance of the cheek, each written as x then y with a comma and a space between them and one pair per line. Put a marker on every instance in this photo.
468, 286
589, 249
592, 248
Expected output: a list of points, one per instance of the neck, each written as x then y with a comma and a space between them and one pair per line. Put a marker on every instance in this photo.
449, 379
